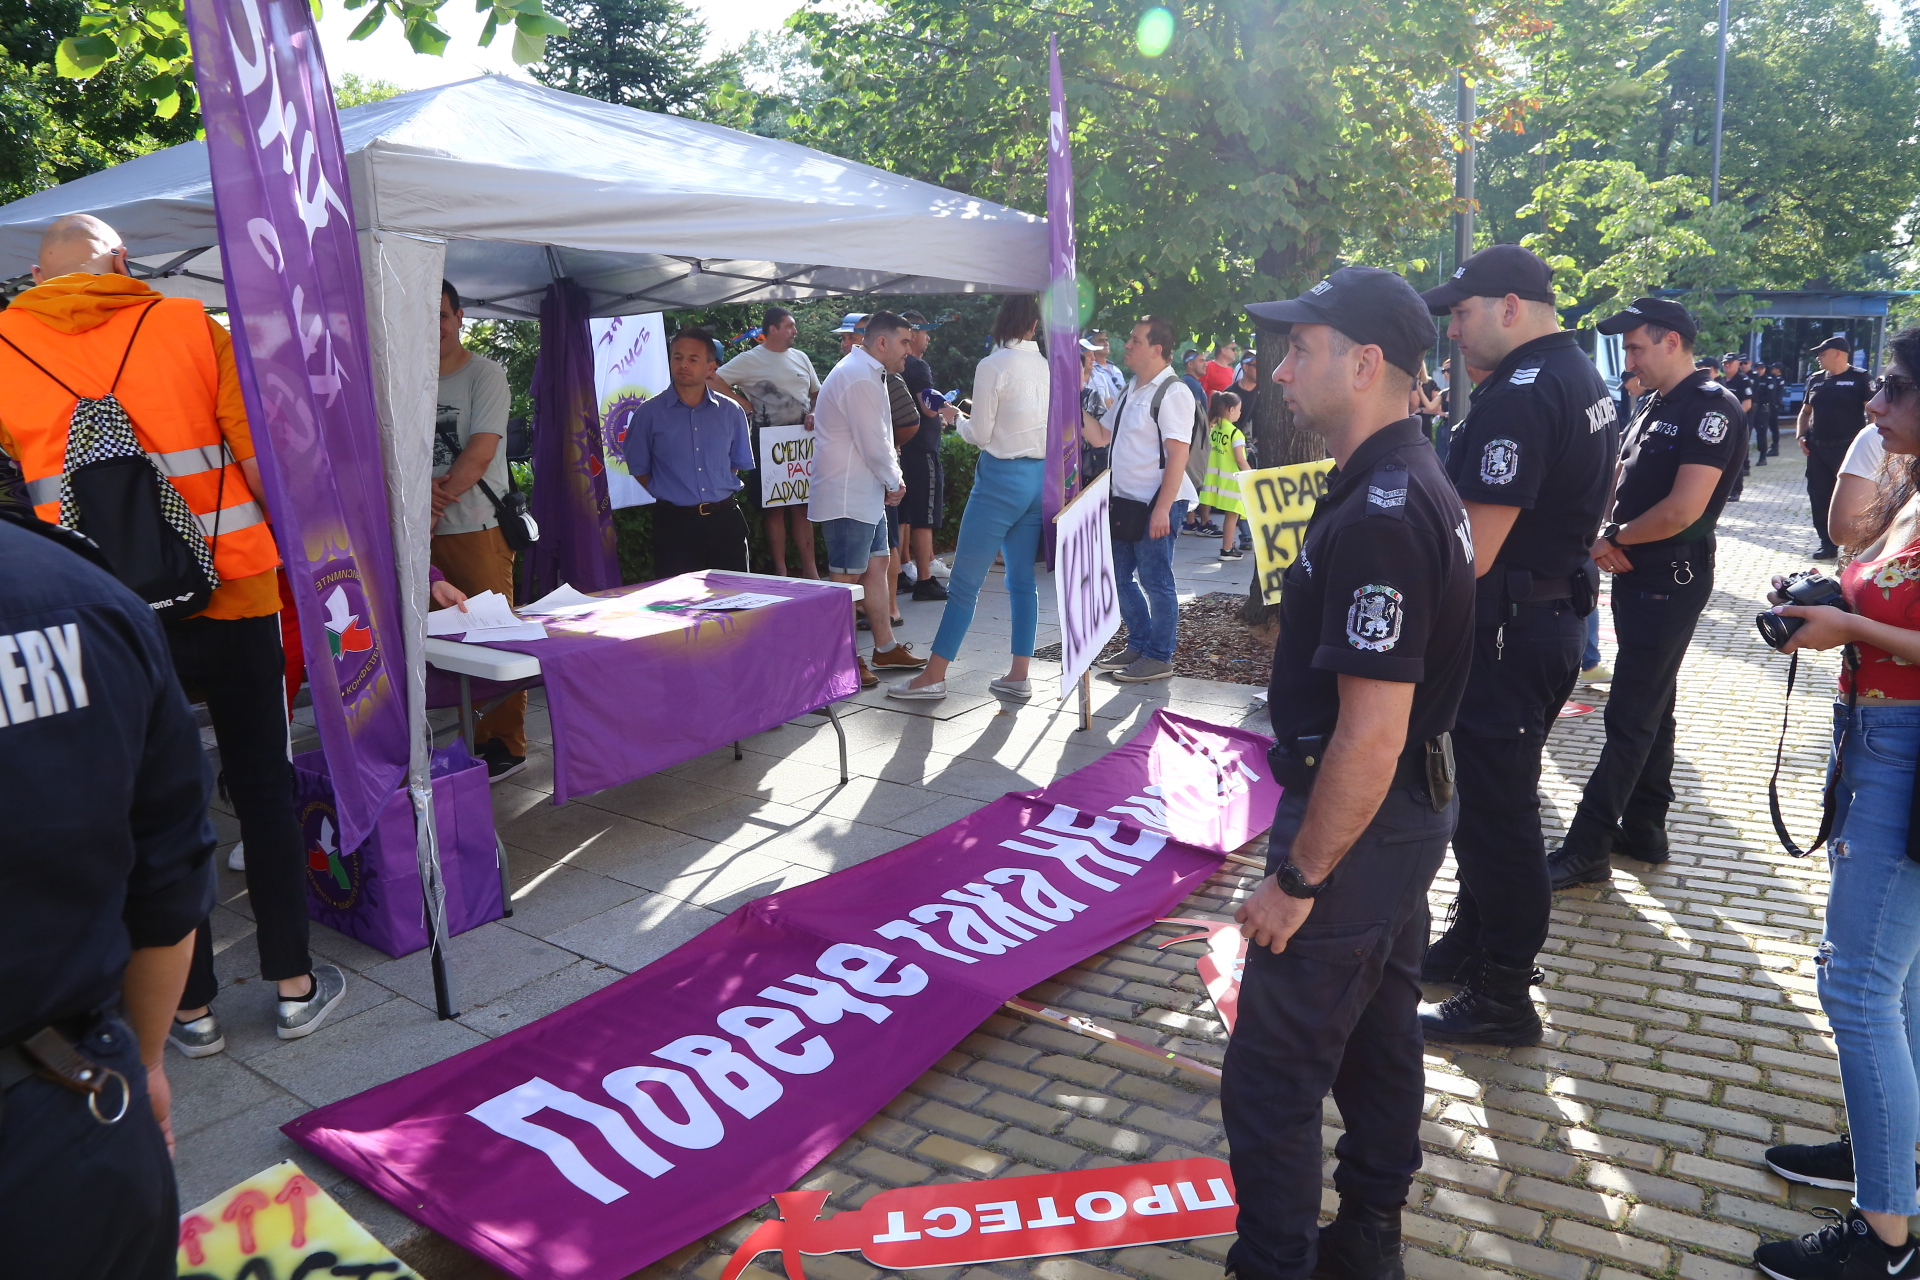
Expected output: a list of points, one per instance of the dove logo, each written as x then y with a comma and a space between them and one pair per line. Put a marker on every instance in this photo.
332, 877
347, 623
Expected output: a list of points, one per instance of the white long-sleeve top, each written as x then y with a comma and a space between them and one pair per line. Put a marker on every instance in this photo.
854, 465
1010, 389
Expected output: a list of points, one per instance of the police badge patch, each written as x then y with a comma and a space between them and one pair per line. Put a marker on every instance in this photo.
1499, 462
1373, 622
1713, 427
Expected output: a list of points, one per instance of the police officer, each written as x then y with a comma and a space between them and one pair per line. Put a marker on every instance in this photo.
1372, 656
1681, 454
1733, 377
1533, 462
1777, 386
104, 872
1831, 416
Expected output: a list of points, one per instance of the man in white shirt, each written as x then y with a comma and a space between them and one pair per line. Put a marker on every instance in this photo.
775, 383
1151, 431
856, 477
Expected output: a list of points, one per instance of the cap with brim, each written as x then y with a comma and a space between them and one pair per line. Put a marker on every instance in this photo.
1495, 272
1088, 345
1370, 305
1661, 311
850, 323
1831, 344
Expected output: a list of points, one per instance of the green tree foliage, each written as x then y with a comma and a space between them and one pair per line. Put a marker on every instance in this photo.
351, 90
636, 53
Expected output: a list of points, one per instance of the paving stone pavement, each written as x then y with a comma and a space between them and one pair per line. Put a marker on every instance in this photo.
1684, 1033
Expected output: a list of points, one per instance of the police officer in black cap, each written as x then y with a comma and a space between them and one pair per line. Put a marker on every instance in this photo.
1681, 455
104, 874
1533, 463
1831, 416
1373, 653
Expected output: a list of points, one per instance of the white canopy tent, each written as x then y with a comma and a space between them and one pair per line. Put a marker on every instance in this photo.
503, 188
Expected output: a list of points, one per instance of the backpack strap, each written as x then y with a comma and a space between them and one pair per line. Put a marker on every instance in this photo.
114, 386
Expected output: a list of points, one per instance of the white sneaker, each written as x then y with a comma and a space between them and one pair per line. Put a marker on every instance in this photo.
940, 569
237, 856
925, 693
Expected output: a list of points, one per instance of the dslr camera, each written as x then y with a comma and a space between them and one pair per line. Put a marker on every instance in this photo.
1808, 587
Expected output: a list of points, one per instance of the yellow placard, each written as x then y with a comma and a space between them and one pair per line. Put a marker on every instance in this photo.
276, 1225
1279, 502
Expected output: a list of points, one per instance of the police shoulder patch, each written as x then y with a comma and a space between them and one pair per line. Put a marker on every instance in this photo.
1373, 620
1387, 490
1713, 427
1499, 462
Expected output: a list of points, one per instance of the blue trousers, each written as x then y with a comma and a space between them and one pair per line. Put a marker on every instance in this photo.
1149, 602
1002, 515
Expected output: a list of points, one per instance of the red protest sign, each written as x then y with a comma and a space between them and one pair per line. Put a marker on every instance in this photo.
1221, 968
964, 1223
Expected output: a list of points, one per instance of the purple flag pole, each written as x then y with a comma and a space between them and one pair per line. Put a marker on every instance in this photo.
569, 501
298, 313
1062, 476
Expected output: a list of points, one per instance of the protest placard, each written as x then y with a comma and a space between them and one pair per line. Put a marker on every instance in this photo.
969, 1223
1083, 582
786, 466
1223, 965
1279, 502
629, 368
279, 1223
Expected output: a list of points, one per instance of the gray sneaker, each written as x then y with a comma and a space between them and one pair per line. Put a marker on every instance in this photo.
1124, 658
1144, 670
303, 1017
201, 1038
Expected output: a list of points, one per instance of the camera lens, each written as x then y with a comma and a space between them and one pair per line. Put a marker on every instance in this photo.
1775, 629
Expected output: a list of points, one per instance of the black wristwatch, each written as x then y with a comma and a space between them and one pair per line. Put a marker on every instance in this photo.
1609, 532
1294, 885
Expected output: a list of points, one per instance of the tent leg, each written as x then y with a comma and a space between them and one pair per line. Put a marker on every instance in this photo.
842, 735
466, 711
442, 986
500, 858
1086, 700
736, 752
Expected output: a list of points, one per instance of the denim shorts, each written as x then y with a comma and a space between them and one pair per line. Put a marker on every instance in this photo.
852, 543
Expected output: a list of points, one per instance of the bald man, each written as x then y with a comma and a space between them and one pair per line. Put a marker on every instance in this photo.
87, 328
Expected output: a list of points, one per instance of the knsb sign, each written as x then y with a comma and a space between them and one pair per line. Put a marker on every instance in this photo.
968, 1223
1083, 581
1279, 502
786, 466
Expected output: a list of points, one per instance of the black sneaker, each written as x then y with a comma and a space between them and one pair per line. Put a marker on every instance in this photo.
931, 589
1875, 1259
903, 585
1817, 1255
501, 763
1362, 1243
1829, 1165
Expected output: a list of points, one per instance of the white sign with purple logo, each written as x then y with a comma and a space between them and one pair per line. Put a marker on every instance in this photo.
629, 368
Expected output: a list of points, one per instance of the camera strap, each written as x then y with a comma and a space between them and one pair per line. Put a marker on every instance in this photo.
1833, 773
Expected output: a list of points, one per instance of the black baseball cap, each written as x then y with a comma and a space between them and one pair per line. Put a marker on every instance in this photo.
1495, 272
1730, 357
1835, 343
1370, 305
1660, 311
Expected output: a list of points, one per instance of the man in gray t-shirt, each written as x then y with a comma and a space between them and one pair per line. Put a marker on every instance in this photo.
468, 547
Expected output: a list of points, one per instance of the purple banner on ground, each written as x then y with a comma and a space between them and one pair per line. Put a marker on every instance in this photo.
603, 1137
298, 315
1062, 476
632, 690
569, 499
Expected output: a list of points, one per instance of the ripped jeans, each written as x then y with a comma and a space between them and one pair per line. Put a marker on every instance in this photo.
1869, 962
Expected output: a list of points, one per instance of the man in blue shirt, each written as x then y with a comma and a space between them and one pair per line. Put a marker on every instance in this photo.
687, 447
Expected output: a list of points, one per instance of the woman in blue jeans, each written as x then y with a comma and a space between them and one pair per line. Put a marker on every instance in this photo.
1869, 961
1009, 426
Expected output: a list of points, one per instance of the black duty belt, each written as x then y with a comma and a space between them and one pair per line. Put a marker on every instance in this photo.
705, 508
1426, 765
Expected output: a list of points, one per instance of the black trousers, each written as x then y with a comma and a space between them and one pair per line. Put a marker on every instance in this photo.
1630, 790
1823, 472
1765, 428
239, 669
1337, 1011
80, 1200
1522, 675
685, 541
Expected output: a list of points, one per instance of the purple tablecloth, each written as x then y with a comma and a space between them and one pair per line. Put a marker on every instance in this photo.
639, 692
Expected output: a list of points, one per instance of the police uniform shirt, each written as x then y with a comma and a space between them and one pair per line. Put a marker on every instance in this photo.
1839, 403
1741, 385
1541, 434
1699, 421
102, 784
1382, 588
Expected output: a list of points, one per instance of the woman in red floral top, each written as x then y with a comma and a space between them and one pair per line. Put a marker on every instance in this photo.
1869, 961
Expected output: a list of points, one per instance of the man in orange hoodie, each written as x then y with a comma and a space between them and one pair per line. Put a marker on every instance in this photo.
84, 319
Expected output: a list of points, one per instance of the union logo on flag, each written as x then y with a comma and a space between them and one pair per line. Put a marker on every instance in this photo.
346, 633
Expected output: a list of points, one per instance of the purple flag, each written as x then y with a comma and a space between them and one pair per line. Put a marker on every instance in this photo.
569, 500
1062, 477
298, 317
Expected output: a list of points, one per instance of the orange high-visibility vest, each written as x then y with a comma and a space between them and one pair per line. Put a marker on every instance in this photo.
169, 388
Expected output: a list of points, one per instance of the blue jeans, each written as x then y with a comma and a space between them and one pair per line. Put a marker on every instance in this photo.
1002, 515
1869, 961
1152, 617
852, 544
1590, 656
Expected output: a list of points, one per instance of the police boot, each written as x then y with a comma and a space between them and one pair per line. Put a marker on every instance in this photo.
1568, 869
1361, 1243
1453, 955
1495, 1007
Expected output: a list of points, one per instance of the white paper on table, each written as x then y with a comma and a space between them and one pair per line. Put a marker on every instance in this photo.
744, 600
487, 616
562, 598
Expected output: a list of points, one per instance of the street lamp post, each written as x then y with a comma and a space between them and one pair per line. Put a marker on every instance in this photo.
1459, 386
1719, 103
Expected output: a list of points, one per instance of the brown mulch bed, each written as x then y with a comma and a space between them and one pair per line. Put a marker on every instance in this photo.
1214, 643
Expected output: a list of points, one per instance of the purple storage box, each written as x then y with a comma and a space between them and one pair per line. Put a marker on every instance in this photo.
373, 893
